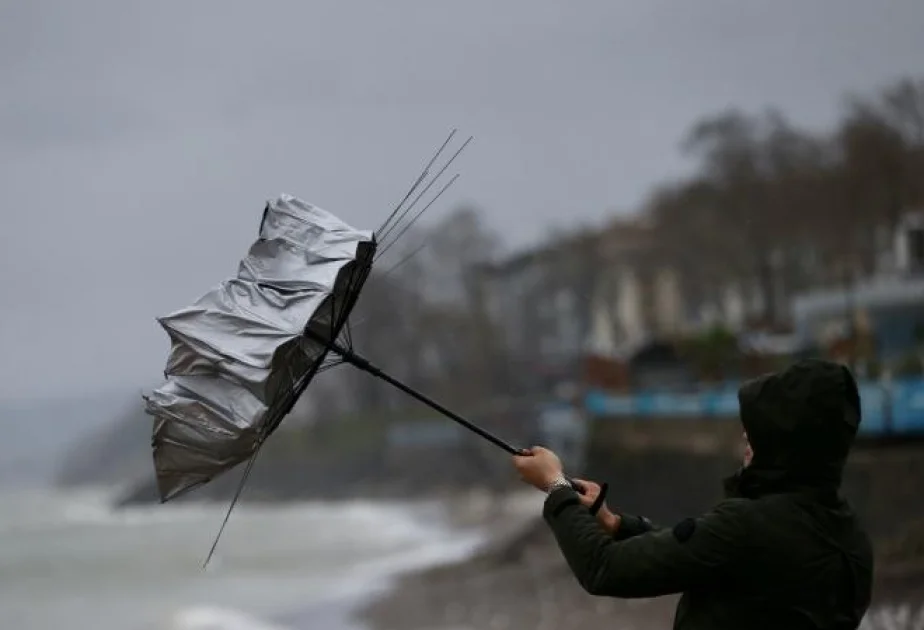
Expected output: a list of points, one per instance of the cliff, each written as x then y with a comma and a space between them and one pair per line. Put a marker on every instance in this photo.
114, 454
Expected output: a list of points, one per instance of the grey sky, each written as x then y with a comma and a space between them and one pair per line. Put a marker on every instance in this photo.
138, 140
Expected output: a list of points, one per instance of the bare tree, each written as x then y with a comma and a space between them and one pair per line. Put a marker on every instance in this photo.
691, 236
467, 344
882, 141
729, 146
753, 208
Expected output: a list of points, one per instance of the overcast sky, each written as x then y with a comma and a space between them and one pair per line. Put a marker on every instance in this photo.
139, 140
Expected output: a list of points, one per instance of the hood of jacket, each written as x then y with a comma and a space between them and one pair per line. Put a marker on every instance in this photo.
801, 424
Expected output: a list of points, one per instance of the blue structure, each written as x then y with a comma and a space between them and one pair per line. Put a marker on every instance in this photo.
892, 307
893, 410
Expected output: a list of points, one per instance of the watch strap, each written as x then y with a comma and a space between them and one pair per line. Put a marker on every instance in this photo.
559, 482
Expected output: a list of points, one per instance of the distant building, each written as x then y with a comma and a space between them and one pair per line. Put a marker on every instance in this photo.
889, 309
605, 293
636, 297
641, 297
732, 307
540, 300
888, 306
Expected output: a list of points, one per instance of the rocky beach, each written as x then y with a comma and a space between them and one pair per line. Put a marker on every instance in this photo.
520, 582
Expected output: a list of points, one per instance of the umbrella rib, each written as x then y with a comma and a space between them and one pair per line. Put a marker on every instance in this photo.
404, 260
419, 214
357, 276
404, 212
426, 188
347, 334
352, 281
345, 329
327, 366
420, 179
234, 500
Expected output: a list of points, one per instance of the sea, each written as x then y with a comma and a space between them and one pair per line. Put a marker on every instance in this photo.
69, 560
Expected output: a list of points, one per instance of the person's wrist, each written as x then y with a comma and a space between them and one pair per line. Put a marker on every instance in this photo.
611, 522
556, 482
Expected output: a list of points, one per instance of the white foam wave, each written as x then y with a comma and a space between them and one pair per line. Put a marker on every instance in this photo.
375, 575
146, 561
364, 580
42, 509
433, 545
38, 509
213, 618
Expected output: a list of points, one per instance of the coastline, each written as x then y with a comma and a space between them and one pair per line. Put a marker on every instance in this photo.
477, 522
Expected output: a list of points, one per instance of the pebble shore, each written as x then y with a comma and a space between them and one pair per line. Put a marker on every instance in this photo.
516, 582
520, 582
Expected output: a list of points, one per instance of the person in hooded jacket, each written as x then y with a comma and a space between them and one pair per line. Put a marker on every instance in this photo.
783, 550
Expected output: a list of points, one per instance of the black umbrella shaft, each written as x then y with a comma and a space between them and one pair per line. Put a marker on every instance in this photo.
363, 364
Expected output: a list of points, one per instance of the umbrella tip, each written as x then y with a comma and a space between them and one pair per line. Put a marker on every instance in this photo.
212, 561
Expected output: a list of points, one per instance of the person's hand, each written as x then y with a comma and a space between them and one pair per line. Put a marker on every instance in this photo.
538, 467
589, 491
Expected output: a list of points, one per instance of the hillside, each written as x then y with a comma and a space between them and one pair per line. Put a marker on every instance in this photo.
113, 454
345, 460
37, 433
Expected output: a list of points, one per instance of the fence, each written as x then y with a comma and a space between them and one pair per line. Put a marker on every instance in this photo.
888, 409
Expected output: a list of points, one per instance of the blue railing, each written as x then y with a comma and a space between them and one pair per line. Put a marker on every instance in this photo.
894, 410
898, 408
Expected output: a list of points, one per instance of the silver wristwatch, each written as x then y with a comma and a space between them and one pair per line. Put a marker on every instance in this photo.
559, 482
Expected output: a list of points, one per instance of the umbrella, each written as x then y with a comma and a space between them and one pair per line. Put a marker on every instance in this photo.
243, 354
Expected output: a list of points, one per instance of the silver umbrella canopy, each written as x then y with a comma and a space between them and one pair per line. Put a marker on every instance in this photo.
244, 352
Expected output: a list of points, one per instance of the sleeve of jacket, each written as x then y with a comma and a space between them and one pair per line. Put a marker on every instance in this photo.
631, 525
695, 553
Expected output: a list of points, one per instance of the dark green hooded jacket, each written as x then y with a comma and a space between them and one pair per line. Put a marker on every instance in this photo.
783, 551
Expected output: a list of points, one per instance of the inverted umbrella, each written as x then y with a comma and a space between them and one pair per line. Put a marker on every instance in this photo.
245, 351
243, 354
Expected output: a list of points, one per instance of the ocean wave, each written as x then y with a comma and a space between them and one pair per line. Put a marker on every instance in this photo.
364, 580
273, 557
213, 618
34, 509
47, 509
